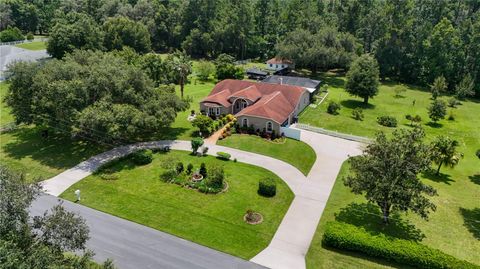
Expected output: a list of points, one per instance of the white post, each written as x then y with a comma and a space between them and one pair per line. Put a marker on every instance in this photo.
77, 194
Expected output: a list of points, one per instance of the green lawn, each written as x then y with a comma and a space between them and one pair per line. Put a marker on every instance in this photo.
292, 151
36, 45
215, 221
454, 227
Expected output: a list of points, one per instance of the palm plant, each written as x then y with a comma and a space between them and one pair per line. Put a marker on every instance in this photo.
444, 152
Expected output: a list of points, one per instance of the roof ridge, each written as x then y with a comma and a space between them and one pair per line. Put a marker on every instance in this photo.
273, 96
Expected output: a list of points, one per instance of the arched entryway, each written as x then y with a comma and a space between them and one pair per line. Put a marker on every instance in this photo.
238, 105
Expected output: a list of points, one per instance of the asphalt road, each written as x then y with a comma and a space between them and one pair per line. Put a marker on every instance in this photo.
135, 246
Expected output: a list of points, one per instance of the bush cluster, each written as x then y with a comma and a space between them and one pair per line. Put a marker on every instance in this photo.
349, 237
11, 34
267, 187
223, 155
387, 121
142, 157
333, 108
357, 114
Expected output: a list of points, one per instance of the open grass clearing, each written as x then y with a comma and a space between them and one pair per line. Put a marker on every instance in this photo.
212, 220
35, 45
294, 152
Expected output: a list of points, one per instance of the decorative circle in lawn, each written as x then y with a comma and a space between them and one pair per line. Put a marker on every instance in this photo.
197, 177
253, 217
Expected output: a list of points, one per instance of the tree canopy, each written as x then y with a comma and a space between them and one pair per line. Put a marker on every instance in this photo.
103, 97
387, 173
362, 78
40, 242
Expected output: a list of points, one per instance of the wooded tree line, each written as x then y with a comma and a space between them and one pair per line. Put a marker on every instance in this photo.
414, 41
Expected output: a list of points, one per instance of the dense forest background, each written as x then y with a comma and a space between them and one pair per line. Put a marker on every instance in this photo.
414, 41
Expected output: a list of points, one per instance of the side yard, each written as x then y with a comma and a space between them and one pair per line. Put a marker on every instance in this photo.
35, 45
215, 220
453, 228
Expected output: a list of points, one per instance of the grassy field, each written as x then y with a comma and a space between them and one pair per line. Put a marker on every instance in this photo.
454, 228
291, 151
215, 221
36, 45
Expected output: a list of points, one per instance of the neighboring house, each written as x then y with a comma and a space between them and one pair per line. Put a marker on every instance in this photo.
277, 64
261, 105
309, 84
257, 74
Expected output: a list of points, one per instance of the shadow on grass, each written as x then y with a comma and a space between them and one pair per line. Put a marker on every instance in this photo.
475, 179
471, 218
435, 125
368, 216
56, 151
352, 104
440, 178
169, 133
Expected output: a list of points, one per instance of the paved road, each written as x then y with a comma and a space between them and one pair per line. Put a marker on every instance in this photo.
295, 233
9, 54
134, 246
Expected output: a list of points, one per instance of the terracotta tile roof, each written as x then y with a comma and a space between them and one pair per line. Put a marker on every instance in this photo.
251, 93
220, 97
278, 60
273, 106
276, 102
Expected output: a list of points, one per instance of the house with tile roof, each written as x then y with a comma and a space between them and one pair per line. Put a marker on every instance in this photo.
263, 106
278, 63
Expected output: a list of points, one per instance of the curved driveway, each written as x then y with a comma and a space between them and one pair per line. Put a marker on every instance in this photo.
292, 239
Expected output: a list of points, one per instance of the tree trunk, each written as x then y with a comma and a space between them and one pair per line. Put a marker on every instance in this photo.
181, 87
438, 170
365, 100
386, 213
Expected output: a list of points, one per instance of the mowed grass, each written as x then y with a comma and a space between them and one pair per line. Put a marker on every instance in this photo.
35, 45
215, 221
294, 152
454, 228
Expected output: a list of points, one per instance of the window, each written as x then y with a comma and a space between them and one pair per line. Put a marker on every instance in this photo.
245, 122
269, 126
306, 100
276, 66
244, 104
214, 111
271, 65
282, 65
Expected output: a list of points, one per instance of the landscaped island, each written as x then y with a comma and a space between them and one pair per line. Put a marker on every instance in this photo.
137, 193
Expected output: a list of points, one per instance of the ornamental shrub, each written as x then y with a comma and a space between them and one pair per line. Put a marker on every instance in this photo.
349, 237
197, 142
267, 187
30, 36
333, 108
223, 155
357, 114
189, 169
387, 121
203, 170
11, 34
179, 168
216, 176
142, 157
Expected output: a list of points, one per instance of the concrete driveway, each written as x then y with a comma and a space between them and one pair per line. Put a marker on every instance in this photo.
295, 233
10, 54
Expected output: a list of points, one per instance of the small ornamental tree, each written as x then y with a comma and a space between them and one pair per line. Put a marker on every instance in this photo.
204, 70
333, 108
362, 78
203, 170
386, 173
439, 85
437, 110
197, 142
444, 151
203, 123
216, 175
465, 87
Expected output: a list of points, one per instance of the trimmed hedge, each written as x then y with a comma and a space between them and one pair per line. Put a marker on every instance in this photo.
223, 155
349, 237
142, 157
267, 187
